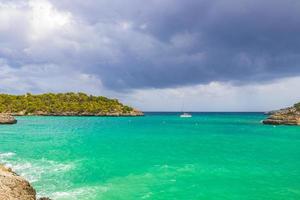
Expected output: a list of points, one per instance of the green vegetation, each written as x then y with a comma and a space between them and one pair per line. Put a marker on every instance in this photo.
76, 103
297, 106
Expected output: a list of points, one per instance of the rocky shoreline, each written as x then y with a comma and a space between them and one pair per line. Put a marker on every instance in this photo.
7, 119
15, 187
286, 116
133, 113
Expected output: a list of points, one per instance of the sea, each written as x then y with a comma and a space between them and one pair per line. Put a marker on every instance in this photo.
211, 156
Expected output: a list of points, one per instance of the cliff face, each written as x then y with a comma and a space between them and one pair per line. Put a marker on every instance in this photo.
287, 116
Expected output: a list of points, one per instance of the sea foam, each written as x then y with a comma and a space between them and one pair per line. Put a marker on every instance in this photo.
83, 193
6, 155
33, 170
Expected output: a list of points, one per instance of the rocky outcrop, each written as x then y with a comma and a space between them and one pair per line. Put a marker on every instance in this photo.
134, 113
7, 119
14, 187
287, 116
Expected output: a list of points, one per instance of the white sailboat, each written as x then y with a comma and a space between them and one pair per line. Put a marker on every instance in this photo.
185, 114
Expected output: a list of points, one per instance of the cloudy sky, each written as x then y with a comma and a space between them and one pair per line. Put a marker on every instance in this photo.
211, 55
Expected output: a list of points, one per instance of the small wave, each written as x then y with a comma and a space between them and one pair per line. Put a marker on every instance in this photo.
7, 155
33, 171
187, 168
176, 169
79, 193
147, 196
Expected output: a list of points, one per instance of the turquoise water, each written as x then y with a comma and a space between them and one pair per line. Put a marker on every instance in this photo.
211, 156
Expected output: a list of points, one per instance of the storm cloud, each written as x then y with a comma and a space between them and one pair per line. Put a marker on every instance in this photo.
134, 44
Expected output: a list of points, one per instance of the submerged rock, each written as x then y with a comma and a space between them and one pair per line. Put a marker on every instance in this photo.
7, 119
287, 116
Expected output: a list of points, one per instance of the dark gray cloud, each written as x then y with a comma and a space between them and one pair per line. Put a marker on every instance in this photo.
132, 44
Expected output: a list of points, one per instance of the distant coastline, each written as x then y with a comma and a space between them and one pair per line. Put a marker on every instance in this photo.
64, 104
134, 113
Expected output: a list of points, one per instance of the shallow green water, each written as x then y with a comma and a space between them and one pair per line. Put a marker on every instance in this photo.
210, 156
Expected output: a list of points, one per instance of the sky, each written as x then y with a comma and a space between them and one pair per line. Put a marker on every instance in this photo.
155, 55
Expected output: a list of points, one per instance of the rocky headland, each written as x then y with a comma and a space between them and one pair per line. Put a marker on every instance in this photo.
7, 119
15, 187
64, 104
286, 116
